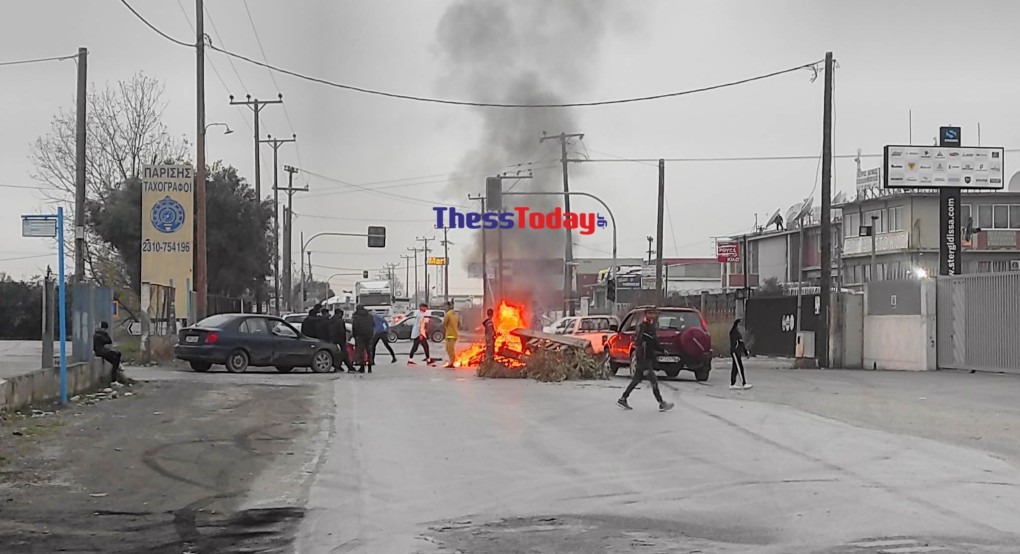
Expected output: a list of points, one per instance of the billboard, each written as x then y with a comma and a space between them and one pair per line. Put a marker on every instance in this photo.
168, 229
938, 167
727, 252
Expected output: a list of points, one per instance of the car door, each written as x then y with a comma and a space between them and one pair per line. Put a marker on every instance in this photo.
290, 348
622, 342
253, 334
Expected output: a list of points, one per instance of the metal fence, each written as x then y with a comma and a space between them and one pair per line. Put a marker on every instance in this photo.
90, 306
977, 318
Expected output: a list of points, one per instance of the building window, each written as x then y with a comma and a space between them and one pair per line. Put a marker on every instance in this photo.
1014, 216
984, 217
967, 211
851, 225
1000, 266
984, 267
895, 222
1000, 217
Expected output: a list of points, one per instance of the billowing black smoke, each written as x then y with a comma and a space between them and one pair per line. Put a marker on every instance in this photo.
522, 51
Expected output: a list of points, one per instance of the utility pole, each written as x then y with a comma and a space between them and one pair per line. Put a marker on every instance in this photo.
568, 285
826, 279
201, 255
446, 266
426, 252
79, 174
276, 144
415, 250
256, 106
485, 272
650, 249
288, 231
658, 228
499, 230
407, 274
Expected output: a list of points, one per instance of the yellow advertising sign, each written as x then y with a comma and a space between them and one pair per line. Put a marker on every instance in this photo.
433, 260
168, 230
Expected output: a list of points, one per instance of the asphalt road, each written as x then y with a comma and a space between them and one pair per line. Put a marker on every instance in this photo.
427, 460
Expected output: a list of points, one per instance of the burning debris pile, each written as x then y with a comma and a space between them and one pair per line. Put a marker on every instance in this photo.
519, 353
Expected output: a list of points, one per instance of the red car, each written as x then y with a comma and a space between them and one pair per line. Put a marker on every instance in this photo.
682, 332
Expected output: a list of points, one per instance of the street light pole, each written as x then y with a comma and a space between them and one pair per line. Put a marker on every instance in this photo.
415, 250
874, 219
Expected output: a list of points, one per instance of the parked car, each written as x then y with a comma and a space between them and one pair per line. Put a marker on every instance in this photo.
403, 329
393, 320
683, 332
595, 328
558, 325
239, 341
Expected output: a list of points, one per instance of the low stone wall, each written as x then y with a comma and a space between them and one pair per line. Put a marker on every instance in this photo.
43, 385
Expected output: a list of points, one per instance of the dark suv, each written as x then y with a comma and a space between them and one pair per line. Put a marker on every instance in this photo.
682, 332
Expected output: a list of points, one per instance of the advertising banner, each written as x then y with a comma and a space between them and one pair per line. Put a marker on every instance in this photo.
168, 229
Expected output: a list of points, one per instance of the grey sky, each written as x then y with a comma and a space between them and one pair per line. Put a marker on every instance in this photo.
949, 62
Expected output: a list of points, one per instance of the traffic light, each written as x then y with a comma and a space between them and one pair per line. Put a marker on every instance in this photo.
493, 194
611, 290
376, 237
364, 275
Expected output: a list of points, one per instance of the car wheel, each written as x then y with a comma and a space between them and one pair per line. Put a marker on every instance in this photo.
284, 369
701, 373
391, 336
201, 367
633, 363
322, 362
238, 361
436, 336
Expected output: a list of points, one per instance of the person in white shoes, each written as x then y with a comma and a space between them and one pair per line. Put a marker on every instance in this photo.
646, 345
419, 335
737, 350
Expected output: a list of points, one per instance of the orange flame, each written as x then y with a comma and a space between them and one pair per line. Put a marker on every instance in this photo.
506, 318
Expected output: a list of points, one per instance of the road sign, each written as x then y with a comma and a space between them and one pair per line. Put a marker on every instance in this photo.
434, 260
38, 226
949, 136
648, 283
940, 167
376, 237
727, 252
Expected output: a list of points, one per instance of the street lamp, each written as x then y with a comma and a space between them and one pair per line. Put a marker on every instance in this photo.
227, 132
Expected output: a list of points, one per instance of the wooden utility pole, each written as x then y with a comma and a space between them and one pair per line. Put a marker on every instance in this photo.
415, 250
288, 231
276, 144
822, 341
658, 229
407, 274
426, 252
446, 266
256, 106
79, 174
485, 270
568, 284
201, 254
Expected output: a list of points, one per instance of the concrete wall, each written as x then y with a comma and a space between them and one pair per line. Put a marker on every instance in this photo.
772, 261
900, 340
43, 385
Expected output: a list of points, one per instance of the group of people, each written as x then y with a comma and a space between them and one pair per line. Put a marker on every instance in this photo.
647, 346
368, 331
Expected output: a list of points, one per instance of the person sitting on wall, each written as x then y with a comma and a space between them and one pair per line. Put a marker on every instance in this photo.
102, 347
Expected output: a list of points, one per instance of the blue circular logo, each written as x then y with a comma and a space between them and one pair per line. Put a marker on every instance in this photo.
167, 215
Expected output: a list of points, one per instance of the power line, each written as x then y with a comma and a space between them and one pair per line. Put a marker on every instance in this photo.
30, 187
370, 219
445, 101
37, 256
39, 60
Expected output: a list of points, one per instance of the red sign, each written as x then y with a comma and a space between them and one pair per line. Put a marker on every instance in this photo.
727, 252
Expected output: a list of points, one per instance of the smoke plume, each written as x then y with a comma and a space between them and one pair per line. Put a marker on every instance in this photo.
522, 51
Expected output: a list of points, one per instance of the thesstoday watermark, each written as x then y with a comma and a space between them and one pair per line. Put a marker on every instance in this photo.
522, 217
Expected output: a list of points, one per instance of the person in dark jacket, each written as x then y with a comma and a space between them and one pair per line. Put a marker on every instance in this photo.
646, 346
310, 326
338, 336
363, 328
381, 334
323, 333
490, 336
102, 347
737, 350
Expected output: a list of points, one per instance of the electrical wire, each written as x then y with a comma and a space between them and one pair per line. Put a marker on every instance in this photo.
28, 187
39, 60
450, 102
370, 219
37, 256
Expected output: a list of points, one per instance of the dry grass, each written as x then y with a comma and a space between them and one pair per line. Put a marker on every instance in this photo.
550, 367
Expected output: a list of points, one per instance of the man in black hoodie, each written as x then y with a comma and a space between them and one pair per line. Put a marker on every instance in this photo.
102, 348
310, 327
363, 327
646, 346
737, 350
338, 336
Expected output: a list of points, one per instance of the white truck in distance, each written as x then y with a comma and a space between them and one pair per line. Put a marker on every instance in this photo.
375, 296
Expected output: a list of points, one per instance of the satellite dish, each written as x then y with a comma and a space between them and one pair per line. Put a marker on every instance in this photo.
1014, 183
791, 214
776, 220
839, 199
805, 207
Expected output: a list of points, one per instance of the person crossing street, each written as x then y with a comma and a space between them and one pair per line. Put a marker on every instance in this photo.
451, 330
420, 335
737, 350
646, 345
338, 336
363, 328
382, 332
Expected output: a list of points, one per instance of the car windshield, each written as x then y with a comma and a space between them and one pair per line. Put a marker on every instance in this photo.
215, 322
678, 321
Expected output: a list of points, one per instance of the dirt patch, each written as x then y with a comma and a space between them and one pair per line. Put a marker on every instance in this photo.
164, 470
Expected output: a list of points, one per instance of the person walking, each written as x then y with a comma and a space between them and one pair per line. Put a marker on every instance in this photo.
310, 326
363, 328
451, 329
490, 336
382, 334
338, 336
646, 345
102, 346
420, 335
737, 350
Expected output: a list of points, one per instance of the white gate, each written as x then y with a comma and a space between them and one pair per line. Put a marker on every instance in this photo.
978, 316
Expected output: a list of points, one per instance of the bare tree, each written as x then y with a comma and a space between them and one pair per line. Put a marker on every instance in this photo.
124, 130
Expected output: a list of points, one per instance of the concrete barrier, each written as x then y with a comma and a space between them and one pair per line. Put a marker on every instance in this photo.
43, 385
